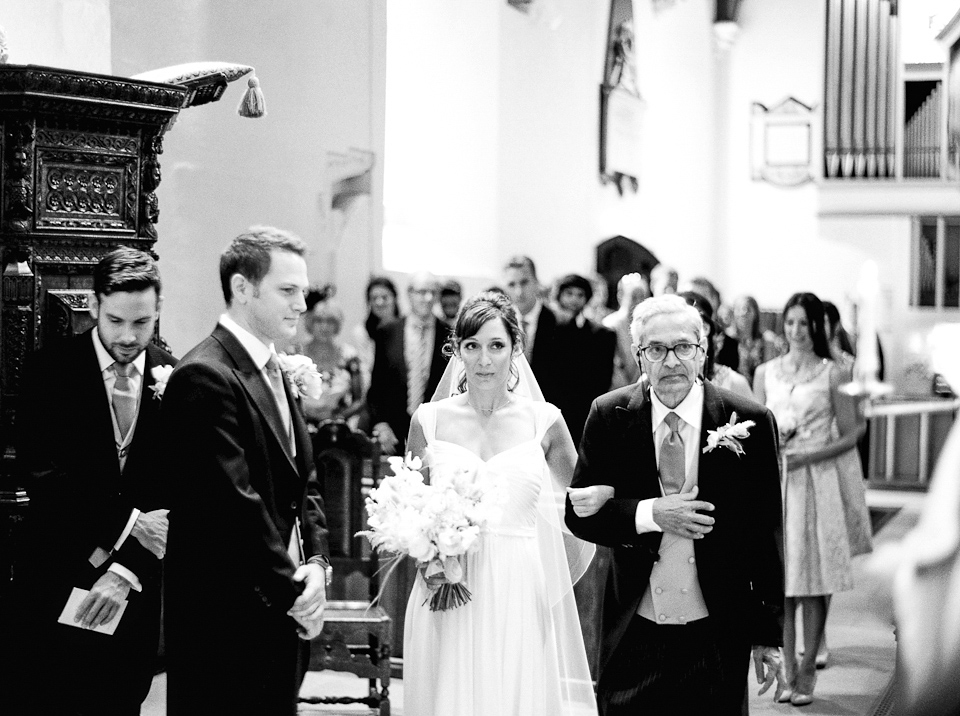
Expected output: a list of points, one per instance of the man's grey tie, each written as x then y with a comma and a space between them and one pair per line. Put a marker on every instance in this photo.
124, 400
673, 469
276, 384
419, 372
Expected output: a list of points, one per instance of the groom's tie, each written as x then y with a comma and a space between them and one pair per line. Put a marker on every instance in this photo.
124, 400
276, 384
673, 470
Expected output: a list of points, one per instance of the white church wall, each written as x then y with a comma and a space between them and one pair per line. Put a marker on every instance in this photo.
74, 34
320, 65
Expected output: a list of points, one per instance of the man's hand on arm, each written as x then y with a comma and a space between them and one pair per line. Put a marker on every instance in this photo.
679, 514
308, 608
103, 602
150, 530
768, 664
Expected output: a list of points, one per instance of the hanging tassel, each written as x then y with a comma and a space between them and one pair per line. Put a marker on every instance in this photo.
252, 105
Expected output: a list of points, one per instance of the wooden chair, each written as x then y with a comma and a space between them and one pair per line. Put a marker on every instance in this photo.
356, 636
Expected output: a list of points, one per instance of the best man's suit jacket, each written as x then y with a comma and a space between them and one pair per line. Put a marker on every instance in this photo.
739, 563
237, 491
79, 501
387, 397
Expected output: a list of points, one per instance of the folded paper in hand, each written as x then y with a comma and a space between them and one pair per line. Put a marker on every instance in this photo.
73, 603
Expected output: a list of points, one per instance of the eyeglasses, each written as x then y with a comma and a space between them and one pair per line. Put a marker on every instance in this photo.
657, 353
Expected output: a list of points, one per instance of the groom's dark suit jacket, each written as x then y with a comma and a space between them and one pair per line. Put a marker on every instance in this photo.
79, 500
739, 563
231, 647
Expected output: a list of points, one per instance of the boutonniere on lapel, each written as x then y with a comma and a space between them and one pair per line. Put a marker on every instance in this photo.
302, 374
729, 435
161, 374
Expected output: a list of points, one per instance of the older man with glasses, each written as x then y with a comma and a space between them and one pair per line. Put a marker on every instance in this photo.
695, 526
407, 365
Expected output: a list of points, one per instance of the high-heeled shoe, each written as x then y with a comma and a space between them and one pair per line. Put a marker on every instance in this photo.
786, 696
803, 689
823, 656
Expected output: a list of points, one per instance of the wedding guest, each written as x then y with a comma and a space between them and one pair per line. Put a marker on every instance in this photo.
720, 375
826, 518
632, 288
246, 569
451, 293
408, 364
754, 346
382, 306
663, 279
688, 593
338, 362
539, 322
841, 349
726, 349
515, 647
596, 309
89, 454
586, 350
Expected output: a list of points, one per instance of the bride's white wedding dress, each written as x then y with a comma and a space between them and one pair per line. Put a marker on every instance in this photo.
515, 649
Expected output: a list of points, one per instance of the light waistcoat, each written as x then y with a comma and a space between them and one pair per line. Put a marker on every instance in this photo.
673, 595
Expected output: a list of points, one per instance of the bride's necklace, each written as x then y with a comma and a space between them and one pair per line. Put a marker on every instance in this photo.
489, 411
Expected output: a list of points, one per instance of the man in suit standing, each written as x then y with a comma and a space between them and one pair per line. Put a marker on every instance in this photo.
247, 559
697, 572
88, 451
539, 323
586, 349
408, 364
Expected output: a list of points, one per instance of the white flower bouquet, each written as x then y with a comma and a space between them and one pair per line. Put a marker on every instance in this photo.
436, 524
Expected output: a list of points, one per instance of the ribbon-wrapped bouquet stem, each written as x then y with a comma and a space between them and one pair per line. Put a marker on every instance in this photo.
435, 523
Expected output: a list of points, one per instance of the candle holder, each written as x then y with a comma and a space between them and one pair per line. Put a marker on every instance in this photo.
866, 367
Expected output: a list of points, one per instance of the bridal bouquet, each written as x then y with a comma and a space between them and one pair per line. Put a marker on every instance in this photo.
436, 524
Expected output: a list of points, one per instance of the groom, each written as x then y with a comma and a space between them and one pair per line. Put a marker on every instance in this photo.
697, 572
245, 510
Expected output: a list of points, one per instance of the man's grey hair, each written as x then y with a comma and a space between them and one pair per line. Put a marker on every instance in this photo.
667, 304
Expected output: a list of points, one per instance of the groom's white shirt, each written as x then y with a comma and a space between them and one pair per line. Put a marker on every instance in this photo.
690, 411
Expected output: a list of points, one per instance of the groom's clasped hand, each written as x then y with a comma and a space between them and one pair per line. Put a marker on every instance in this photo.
308, 608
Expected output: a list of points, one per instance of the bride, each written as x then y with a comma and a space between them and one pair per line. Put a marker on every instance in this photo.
515, 648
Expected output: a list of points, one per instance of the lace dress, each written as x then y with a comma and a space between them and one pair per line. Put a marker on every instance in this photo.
826, 521
515, 649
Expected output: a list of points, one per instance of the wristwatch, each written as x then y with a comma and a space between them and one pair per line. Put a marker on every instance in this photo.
327, 567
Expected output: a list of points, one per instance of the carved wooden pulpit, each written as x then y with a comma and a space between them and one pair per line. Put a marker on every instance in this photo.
79, 164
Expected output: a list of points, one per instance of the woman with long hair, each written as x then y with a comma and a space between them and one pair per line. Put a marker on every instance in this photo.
754, 345
825, 525
382, 306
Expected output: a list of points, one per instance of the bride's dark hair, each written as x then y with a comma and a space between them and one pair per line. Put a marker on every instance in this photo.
477, 311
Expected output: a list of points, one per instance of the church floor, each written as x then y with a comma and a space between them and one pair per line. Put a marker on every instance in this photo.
862, 649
